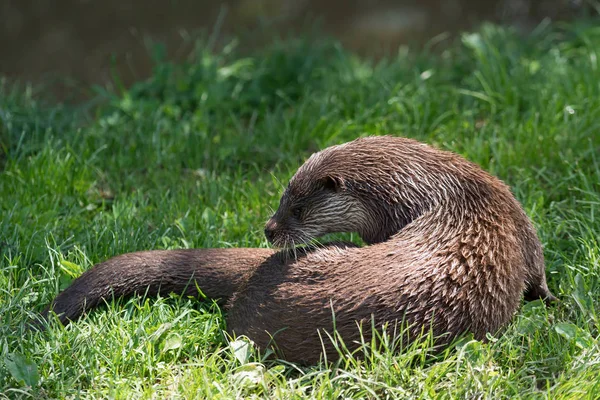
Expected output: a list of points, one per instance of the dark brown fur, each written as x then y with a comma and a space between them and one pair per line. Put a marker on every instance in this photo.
449, 249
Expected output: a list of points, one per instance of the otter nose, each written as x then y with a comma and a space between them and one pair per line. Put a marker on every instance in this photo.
270, 230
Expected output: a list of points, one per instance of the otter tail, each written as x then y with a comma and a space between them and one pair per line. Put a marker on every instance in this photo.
218, 273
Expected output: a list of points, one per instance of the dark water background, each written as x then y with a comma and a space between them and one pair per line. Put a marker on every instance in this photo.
68, 45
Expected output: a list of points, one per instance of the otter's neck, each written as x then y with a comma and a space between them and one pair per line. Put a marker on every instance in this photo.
452, 195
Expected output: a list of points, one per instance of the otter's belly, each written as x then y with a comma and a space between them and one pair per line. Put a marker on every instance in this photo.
293, 307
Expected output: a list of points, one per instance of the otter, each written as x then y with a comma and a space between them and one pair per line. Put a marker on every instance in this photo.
449, 250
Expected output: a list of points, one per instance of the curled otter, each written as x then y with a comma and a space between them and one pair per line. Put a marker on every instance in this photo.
449, 249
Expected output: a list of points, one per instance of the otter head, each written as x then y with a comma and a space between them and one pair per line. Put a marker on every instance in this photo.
361, 186
310, 208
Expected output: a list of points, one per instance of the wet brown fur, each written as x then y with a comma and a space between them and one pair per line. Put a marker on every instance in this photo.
449, 249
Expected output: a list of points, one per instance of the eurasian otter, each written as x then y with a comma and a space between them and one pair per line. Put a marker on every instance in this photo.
450, 249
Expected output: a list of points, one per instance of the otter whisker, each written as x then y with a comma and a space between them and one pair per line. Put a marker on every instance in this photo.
294, 250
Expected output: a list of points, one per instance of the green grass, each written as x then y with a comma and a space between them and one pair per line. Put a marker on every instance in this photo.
196, 157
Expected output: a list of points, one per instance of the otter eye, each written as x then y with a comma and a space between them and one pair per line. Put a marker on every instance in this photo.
296, 212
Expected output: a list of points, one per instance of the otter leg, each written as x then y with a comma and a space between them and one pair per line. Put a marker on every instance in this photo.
539, 290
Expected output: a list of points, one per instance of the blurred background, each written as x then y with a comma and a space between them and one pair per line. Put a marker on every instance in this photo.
66, 45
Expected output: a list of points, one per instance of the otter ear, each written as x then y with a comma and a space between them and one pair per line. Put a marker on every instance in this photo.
332, 183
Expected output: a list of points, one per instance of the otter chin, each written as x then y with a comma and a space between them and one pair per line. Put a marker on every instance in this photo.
449, 250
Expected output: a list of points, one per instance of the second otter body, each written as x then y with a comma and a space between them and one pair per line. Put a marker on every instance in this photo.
450, 249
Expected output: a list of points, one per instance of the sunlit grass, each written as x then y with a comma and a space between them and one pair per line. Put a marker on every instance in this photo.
196, 156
